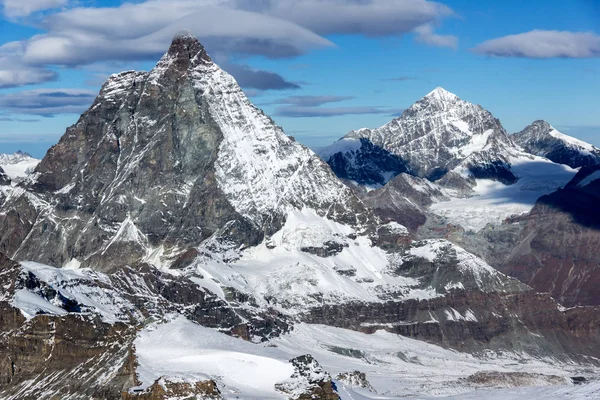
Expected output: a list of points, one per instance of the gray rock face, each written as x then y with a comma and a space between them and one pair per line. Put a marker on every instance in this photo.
362, 162
4, 179
162, 161
404, 200
556, 251
542, 139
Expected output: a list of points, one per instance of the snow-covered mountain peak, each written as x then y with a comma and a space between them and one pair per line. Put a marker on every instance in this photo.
167, 159
542, 139
18, 165
441, 94
439, 132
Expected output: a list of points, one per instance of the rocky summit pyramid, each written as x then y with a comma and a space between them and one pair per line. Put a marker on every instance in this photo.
161, 162
441, 133
542, 139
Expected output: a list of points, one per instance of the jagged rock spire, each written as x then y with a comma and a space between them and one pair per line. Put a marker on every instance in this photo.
185, 52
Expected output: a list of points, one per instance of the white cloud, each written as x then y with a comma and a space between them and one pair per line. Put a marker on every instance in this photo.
14, 72
365, 17
543, 44
270, 28
23, 8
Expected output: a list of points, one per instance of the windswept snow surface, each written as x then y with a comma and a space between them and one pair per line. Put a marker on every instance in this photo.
396, 366
494, 201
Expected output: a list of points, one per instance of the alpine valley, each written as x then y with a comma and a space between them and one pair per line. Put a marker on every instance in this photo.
176, 244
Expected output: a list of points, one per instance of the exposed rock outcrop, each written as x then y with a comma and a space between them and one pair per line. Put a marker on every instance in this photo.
557, 248
164, 389
309, 381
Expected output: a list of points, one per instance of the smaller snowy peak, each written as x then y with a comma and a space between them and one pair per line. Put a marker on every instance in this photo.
18, 165
439, 99
344, 145
441, 94
542, 139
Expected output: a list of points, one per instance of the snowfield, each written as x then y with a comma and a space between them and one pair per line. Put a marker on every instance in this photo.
397, 367
494, 201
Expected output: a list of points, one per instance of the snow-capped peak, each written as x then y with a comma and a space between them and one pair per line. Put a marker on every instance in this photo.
18, 165
441, 94
438, 132
542, 139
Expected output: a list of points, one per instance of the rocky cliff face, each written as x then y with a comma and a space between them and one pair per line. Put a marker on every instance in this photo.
162, 161
557, 250
542, 139
362, 162
4, 179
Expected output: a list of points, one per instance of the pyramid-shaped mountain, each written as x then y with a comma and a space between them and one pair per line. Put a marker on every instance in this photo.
438, 134
161, 162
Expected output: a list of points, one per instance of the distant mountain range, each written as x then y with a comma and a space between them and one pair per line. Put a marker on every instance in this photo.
17, 166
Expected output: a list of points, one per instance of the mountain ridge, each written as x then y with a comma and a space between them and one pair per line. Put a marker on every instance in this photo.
542, 139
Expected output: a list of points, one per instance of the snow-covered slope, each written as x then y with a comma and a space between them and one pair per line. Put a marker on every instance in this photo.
18, 165
313, 261
396, 367
542, 139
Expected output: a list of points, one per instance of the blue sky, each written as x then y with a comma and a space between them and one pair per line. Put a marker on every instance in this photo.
319, 70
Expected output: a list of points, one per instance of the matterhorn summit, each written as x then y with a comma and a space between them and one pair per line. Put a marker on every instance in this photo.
164, 160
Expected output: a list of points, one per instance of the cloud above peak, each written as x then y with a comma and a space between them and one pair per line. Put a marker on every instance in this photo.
543, 44
141, 31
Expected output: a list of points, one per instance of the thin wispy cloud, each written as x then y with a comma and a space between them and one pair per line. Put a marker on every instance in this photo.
312, 101
400, 79
251, 78
23, 8
543, 44
312, 107
47, 102
426, 34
